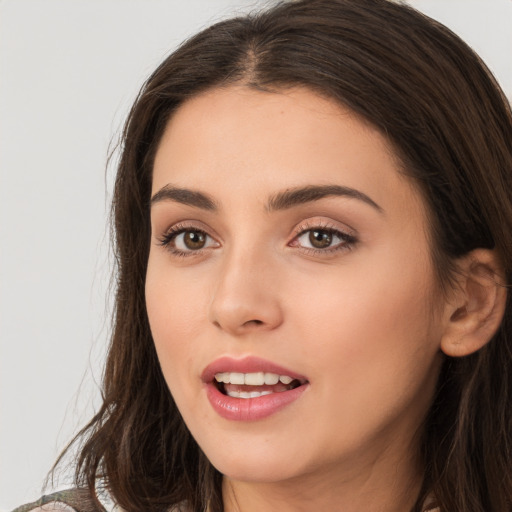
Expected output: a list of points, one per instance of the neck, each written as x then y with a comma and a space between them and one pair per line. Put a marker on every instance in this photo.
381, 485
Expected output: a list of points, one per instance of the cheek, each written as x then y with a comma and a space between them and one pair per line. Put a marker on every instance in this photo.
370, 327
371, 350
176, 303
176, 299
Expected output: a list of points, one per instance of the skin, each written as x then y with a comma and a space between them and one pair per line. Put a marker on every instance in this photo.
358, 322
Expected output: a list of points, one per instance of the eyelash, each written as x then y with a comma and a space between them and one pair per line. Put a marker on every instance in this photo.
347, 240
167, 240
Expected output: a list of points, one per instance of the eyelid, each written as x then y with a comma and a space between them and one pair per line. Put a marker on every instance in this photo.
323, 223
186, 224
172, 232
347, 234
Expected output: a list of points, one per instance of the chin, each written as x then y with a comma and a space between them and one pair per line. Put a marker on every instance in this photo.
265, 473
254, 463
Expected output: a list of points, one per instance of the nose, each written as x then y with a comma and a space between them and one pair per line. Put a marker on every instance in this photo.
246, 297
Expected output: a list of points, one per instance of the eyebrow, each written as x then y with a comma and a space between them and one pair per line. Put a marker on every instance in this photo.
301, 195
280, 201
185, 196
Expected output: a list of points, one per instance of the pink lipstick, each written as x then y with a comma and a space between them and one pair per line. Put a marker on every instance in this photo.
251, 388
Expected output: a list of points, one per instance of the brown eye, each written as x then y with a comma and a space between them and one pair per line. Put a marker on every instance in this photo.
187, 241
194, 240
323, 240
320, 238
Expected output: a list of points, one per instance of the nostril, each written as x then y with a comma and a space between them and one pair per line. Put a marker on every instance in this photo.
253, 322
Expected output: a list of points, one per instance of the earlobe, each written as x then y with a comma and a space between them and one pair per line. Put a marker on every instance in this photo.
476, 311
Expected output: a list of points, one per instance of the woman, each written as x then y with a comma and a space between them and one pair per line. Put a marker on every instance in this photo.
312, 216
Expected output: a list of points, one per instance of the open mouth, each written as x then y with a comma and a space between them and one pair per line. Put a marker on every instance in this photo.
254, 385
253, 390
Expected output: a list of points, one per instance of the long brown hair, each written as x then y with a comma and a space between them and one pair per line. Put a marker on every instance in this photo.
451, 126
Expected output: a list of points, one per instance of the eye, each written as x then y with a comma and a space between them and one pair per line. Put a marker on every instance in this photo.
323, 239
185, 241
318, 238
190, 240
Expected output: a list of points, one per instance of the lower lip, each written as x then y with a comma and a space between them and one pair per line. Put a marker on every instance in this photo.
251, 409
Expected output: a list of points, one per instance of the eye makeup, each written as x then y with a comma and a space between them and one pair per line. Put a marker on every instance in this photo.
312, 237
322, 238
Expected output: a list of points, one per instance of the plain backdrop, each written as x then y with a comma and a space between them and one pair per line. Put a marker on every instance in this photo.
69, 70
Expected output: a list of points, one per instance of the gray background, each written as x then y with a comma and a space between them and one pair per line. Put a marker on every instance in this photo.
69, 69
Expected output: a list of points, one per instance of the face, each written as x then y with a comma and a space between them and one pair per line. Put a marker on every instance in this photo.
289, 261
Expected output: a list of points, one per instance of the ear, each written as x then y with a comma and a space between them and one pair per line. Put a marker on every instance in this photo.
475, 311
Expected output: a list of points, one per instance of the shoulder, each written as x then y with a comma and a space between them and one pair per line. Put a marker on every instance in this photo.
71, 500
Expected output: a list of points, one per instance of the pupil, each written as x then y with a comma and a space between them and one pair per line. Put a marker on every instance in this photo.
194, 239
320, 239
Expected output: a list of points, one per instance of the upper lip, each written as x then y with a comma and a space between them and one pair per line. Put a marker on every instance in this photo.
248, 364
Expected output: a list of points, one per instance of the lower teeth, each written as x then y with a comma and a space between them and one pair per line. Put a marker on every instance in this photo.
237, 392
248, 394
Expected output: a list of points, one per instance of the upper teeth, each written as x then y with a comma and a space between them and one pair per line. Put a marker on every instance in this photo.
252, 379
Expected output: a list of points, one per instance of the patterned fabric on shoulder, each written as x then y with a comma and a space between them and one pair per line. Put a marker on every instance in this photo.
70, 500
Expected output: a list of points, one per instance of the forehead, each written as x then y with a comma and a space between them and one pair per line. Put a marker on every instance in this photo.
234, 140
